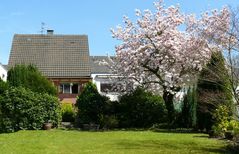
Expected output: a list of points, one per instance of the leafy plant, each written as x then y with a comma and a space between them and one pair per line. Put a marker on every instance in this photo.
140, 109
68, 112
29, 77
91, 105
3, 86
23, 109
109, 121
224, 122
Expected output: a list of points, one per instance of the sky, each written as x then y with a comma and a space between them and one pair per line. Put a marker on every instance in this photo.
94, 18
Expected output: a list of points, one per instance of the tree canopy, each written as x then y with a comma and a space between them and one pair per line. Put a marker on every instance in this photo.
29, 77
154, 51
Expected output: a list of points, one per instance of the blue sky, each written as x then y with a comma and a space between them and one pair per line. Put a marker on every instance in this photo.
91, 17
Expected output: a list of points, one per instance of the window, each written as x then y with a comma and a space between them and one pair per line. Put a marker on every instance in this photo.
105, 87
75, 89
69, 88
111, 87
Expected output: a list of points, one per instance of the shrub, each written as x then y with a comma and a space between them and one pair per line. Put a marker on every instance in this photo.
67, 112
23, 109
222, 118
91, 105
29, 77
3, 86
140, 109
225, 124
109, 121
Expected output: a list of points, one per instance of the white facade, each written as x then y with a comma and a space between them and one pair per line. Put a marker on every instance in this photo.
3, 73
102, 79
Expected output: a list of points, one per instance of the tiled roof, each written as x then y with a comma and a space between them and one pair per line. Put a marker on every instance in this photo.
54, 55
3, 66
97, 67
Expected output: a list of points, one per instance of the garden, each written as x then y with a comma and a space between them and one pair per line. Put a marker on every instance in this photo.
136, 123
184, 96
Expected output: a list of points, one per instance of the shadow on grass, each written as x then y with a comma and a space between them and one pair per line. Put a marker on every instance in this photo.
233, 147
167, 147
102, 130
186, 131
201, 136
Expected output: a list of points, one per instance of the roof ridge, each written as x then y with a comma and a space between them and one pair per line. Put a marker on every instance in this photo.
52, 35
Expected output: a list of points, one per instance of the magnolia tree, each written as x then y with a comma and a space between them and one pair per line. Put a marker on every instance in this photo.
154, 51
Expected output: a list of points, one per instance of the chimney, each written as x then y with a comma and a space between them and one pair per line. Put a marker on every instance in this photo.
50, 32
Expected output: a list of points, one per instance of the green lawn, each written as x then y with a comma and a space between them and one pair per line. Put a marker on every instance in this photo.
67, 142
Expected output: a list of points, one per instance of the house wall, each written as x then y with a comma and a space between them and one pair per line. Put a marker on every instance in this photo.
70, 98
3, 73
97, 82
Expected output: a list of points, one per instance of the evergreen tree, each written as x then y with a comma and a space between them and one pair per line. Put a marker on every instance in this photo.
90, 105
193, 107
187, 117
29, 77
213, 89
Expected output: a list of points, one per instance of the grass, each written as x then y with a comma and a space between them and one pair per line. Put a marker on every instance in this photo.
67, 142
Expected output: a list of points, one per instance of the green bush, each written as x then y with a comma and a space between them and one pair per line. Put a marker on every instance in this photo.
68, 112
29, 77
109, 121
3, 86
91, 105
140, 109
21, 108
224, 123
222, 119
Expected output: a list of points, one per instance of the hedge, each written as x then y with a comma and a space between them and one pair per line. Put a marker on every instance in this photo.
22, 109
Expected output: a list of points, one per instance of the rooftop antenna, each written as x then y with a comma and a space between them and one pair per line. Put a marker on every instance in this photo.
42, 27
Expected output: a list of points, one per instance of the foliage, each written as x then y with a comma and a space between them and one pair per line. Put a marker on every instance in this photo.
90, 105
213, 90
68, 112
109, 121
3, 86
117, 142
137, 109
187, 118
140, 109
23, 109
29, 77
224, 122
222, 118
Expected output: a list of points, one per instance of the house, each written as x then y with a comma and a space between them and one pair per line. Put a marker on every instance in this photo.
3, 72
63, 59
103, 77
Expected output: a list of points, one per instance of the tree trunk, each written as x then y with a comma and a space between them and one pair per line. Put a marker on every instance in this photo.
168, 100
